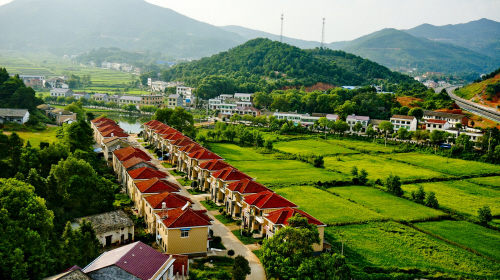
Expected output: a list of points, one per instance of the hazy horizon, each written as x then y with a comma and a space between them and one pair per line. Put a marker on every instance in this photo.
303, 20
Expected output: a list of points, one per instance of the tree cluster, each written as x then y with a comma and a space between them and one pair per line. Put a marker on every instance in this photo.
429, 200
15, 94
177, 118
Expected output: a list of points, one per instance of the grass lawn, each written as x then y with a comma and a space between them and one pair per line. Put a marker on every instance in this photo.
195, 192
285, 171
232, 152
386, 204
311, 146
391, 245
176, 173
327, 207
165, 164
225, 220
461, 196
210, 205
450, 166
362, 145
257, 253
245, 239
481, 239
212, 267
48, 135
493, 182
185, 182
378, 167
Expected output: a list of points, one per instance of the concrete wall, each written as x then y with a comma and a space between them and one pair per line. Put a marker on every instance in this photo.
116, 235
111, 273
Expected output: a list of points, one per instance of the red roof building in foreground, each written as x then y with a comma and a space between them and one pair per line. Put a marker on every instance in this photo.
236, 191
433, 124
136, 260
146, 173
255, 206
130, 152
157, 185
278, 219
222, 177
136, 162
183, 231
171, 200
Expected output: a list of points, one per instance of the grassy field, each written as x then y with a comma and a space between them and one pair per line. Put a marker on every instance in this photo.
270, 171
378, 167
493, 182
386, 204
455, 167
461, 196
390, 245
231, 152
35, 138
483, 240
362, 145
327, 207
311, 146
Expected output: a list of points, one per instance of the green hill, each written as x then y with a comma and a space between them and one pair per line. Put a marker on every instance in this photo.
256, 61
70, 27
488, 88
395, 48
482, 36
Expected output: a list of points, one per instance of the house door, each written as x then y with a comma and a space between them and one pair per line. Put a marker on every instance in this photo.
130, 237
123, 238
108, 240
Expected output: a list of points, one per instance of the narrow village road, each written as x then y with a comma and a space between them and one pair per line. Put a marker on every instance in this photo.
228, 239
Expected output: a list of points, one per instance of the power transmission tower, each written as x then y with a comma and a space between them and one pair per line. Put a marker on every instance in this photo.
323, 33
281, 34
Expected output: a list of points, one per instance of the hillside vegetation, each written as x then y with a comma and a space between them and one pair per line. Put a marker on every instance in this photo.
262, 64
488, 89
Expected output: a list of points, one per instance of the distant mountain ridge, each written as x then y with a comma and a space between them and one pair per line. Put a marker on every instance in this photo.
75, 26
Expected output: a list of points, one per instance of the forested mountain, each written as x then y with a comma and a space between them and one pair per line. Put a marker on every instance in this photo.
264, 65
482, 36
395, 48
70, 27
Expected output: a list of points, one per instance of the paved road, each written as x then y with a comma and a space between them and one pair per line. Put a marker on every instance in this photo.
228, 239
478, 109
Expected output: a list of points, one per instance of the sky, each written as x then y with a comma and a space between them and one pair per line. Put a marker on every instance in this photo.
344, 19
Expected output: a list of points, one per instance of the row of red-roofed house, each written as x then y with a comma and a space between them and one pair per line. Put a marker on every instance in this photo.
109, 136
260, 209
170, 217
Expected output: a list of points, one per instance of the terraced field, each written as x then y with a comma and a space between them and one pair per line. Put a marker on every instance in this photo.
461, 196
493, 182
386, 204
327, 207
390, 245
379, 167
483, 240
455, 167
362, 145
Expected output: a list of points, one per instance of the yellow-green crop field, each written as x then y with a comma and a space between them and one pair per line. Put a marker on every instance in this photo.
49, 135
312, 146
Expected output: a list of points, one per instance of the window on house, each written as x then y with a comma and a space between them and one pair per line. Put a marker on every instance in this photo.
184, 233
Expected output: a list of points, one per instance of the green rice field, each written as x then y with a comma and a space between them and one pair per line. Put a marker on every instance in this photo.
483, 240
327, 207
378, 167
493, 182
231, 152
461, 196
386, 204
391, 245
311, 146
362, 145
450, 166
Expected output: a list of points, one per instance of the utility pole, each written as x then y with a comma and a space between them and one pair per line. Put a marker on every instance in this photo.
323, 33
281, 34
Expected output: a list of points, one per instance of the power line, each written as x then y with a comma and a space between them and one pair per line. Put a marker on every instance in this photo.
281, 34
323, 33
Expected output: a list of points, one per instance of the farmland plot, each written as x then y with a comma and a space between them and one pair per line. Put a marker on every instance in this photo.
311, 146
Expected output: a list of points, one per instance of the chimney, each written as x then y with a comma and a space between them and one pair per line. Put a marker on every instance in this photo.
164, 210
112, 134
186, 206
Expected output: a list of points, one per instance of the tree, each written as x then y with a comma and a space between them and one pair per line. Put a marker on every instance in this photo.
325, 267
79, 136
484, 215
370, 131
417, 113
431, 200
403, 133
241, 268
437, 136
463, 140
354, 171
393, 185
235, 118
386, 126
229, 133
357, 127
268, 145
323, 121
363, 176
419, 195
289, 247
318, 161
404, 110
341, 126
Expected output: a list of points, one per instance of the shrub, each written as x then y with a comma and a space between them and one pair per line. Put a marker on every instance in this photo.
230, 253
431, 201
484, 215
238, 222
393, 185
217, 239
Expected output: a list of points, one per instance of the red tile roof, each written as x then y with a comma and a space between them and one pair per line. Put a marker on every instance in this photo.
166, 131
246, 186
203, 154
403, 117
180, 264
137, 259
105, 123
131, 162
130, 152
158, 126
114, 133
100, 120
214, 165
156, 185
281, 216
105, 141
109, 127
181, 142
146, 173
266, 200
162, 127
190, 148
174, 136
436, 121
171, 200
151, 123
230, 174
178, 218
